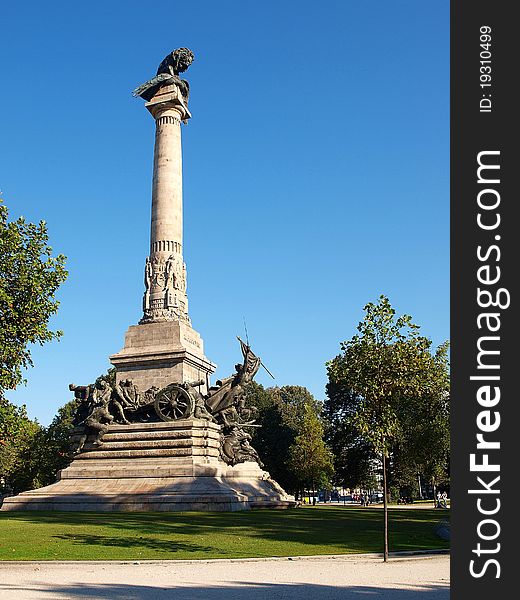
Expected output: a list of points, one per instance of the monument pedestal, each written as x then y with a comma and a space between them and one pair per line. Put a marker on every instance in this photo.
172, 466
156, 354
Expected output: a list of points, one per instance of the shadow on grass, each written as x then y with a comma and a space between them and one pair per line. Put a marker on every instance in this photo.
237, 591
157, 544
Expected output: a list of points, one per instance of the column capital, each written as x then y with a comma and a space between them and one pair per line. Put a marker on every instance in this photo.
169, 97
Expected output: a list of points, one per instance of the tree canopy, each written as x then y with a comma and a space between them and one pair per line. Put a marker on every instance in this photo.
386, 387
309, 458
29, 279
355, 460
17, 442
284, 413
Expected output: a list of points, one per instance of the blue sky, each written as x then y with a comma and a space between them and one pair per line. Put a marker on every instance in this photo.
316, 172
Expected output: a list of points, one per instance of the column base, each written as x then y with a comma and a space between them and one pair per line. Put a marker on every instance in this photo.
157, 354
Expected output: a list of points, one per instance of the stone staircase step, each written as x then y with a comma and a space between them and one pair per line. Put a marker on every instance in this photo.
157, 443
191, 451
165, 434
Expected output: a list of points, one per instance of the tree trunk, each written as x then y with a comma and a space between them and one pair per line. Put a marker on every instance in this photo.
385, 509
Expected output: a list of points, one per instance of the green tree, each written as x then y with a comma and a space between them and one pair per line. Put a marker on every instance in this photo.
309, 458
274, 436
280, 414
293, 401
29, 279
354, 455
17, 445
423, 443
420, 448
54, 444
387, 364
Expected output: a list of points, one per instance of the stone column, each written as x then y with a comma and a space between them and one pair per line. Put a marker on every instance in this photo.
165, 296
166, 227
164, 348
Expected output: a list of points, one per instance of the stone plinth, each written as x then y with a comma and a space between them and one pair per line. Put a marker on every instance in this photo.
157, 354
171, 466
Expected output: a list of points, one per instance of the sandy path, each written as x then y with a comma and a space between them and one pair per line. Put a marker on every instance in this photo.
316, 578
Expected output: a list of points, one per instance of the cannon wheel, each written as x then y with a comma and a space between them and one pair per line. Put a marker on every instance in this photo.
172, 403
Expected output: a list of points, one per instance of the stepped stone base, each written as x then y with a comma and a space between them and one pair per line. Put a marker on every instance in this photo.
156, 467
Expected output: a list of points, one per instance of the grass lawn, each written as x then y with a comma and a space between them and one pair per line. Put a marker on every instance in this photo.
256, 533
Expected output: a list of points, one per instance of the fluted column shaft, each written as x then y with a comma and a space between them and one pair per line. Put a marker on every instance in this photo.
166, 223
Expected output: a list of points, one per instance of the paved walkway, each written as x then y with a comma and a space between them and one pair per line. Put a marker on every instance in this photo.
414, 505
313, 578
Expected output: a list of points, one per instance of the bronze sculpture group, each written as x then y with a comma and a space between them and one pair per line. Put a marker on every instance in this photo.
121, 402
